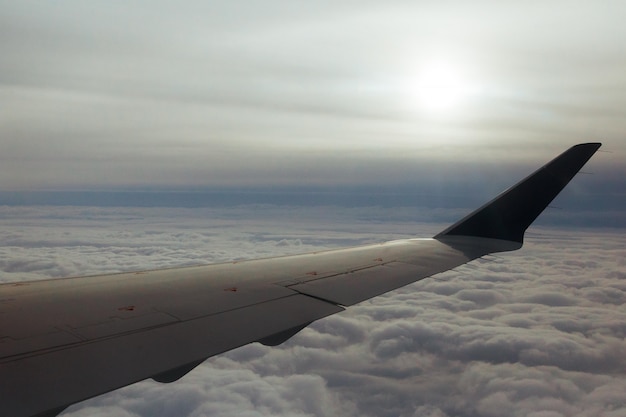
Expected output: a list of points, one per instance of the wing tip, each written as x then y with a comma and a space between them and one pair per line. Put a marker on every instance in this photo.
507, 216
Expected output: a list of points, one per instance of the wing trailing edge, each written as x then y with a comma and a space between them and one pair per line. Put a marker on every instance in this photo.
507, 216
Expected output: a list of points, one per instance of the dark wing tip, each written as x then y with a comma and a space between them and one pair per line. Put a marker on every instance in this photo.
507, 216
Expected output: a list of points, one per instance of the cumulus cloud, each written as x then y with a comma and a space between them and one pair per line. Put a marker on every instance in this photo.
538, 332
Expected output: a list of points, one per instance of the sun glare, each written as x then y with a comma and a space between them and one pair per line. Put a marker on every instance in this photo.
440, 87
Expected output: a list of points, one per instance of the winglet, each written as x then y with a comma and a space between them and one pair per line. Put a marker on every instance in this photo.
507, 216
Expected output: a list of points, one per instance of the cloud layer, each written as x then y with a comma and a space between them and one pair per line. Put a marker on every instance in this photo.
539, 332
215, 94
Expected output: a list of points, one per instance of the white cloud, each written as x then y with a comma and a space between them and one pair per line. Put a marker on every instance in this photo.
537, 332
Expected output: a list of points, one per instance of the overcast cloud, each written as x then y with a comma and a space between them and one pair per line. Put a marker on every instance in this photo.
538, 332
200, 94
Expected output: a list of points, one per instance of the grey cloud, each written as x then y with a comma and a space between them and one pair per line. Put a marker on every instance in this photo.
108, 411
218, 94
550, 299
526, 333
480, 296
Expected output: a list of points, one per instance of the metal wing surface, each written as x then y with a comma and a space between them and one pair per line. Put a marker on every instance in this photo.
66, 340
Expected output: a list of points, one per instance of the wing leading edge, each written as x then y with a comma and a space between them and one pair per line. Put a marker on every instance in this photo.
66, 340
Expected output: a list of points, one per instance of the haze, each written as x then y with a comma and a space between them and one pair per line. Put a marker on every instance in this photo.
159, 95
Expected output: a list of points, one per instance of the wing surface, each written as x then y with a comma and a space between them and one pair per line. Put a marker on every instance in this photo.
66, 340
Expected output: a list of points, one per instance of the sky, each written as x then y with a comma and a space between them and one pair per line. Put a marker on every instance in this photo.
538, 332
163, 95
142, 134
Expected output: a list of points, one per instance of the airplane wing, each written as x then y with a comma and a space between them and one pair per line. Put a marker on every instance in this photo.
65, 340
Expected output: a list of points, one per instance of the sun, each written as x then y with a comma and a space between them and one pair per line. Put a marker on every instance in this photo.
439, 87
